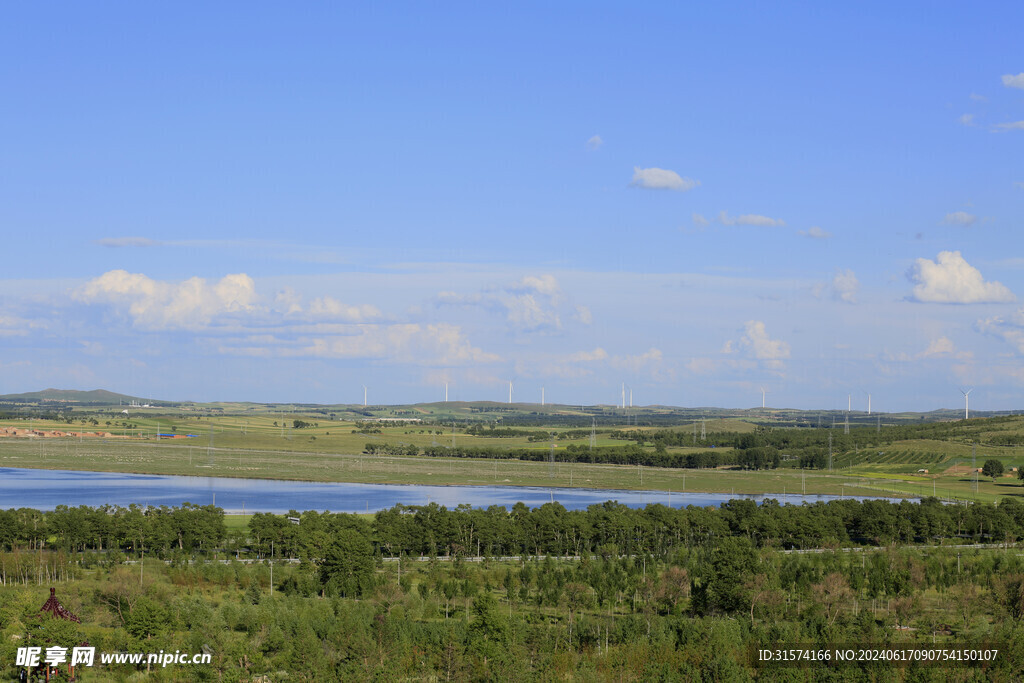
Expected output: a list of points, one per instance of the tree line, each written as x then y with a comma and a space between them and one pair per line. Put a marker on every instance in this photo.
614, 455
550, 529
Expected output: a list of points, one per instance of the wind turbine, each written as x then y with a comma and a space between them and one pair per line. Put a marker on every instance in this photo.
763, 392
446, 392
510, 391
542, 395
364, 395
967, 394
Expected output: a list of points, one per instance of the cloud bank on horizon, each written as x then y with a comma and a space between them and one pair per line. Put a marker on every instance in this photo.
404, 197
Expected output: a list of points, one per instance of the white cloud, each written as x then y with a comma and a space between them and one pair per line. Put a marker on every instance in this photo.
702, 366
966, 120
328, 307
542, 284
1009, 330
699, 220
587, 356
978, 98
941, 347
1010, 125
650, 360
440, 344
13, 326
814, 232
595, 142
845, 286
565, 366
534, 303
750, 219
288, 302
756, 340
584, 315
661, 179
755, 343
960, 218
938, 347
153, 304
1011, 81
127, 242
951, 280
528, 312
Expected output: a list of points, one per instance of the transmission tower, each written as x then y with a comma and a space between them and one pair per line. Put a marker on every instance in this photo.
593, 432
703, 431
830, 451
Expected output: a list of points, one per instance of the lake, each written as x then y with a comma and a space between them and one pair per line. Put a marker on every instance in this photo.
45, 489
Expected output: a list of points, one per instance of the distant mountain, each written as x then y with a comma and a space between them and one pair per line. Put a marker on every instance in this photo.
94, 397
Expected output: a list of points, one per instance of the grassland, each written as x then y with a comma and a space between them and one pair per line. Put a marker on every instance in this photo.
264, 444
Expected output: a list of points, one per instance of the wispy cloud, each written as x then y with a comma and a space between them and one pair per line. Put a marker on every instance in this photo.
699, 220
966, 120
978, 98
532, 304
1011, 81
595, 142
750, 219
647, 361
960, 218
1010, 125
661, 179
938, 348
951, 280
845, 286
127, 242
329, 307
1009, 329
942, 346
440, 344
814, 232
14, 326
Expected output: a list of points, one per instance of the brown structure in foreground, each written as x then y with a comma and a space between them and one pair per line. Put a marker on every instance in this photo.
57, 610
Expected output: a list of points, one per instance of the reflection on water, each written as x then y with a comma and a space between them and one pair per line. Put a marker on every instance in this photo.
46, 489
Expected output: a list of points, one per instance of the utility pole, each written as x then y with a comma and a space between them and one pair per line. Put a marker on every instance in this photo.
974, 464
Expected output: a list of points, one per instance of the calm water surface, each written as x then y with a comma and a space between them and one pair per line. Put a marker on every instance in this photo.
45, 489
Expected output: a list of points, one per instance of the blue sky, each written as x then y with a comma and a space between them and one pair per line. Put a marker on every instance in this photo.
252, 202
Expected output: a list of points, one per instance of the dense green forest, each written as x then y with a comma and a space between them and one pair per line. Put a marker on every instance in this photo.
606, 593
433, 530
